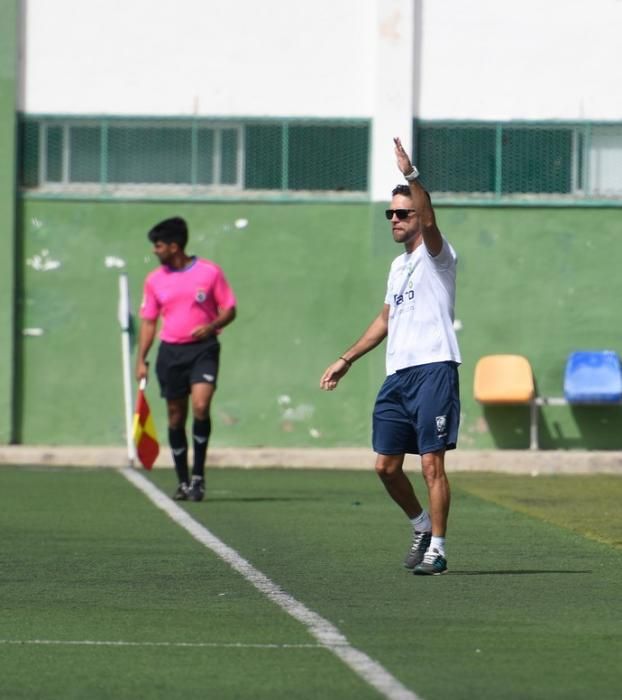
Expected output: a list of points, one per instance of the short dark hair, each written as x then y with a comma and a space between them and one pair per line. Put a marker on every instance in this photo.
405, 190
173, 230
401, 189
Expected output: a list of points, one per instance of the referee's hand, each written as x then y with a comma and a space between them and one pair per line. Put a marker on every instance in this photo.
202, 332
142, 370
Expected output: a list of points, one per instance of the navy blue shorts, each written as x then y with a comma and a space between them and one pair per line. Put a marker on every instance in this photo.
417, 410
180, 365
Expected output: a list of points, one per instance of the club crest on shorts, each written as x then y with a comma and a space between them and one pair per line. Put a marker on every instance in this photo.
200, 296
441, 426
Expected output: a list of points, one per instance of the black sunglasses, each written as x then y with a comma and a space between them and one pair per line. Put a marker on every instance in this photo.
400, 213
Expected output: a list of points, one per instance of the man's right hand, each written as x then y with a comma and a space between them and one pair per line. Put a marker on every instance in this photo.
333, 374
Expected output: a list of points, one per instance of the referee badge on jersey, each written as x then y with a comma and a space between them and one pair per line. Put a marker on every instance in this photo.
200, 296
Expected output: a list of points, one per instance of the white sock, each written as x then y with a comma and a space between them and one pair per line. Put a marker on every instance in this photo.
438, 543
422, 522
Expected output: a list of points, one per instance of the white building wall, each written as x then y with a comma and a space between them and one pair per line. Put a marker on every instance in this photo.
533, 59
383, 60
207, 57
394, 84
482, 59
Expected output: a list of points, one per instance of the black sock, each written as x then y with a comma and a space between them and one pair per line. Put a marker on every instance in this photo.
201, 430
179, 447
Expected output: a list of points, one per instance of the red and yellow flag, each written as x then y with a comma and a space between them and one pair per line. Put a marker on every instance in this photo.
145, 436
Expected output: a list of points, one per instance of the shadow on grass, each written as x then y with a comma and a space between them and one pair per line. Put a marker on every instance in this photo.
518, 572
260, 499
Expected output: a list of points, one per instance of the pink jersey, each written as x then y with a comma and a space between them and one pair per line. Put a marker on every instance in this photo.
185, 298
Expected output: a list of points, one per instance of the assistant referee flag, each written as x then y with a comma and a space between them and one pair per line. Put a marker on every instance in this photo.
145, 436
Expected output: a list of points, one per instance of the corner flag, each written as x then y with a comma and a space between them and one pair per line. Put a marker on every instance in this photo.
145, 437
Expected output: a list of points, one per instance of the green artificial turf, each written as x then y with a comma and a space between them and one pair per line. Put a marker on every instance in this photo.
529, 609
586, 504
87, 558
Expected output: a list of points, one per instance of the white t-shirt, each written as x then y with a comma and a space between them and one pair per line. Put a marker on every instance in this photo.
421, 292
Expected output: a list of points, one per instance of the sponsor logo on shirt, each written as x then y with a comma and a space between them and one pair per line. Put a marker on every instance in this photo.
408, 295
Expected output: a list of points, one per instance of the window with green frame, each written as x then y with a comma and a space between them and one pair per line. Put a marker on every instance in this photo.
288, 155
115, 152
503, 159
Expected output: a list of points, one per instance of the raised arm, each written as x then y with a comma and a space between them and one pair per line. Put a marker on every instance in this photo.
432, 238
373, 336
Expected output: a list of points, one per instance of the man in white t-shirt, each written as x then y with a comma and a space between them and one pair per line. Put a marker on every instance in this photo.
417, 410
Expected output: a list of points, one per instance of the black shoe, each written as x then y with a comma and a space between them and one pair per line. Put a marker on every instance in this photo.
418, 547
433, 564
182, 492
196, 492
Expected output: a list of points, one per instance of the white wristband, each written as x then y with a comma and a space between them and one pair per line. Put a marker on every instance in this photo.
412, 176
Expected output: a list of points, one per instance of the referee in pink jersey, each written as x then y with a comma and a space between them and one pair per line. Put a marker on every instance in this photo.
195, 302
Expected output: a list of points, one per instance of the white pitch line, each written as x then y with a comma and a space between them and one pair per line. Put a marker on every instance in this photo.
321, 629
121, 643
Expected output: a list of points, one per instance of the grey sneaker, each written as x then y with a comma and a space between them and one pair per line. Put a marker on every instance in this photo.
181, 494
419, 546
433, 564
197, 489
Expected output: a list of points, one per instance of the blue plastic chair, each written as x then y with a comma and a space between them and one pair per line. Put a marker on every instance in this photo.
593, 376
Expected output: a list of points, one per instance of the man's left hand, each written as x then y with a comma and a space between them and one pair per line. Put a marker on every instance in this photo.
202, 332
403, 160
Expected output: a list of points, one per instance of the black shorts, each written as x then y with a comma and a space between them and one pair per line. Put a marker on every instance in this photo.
180, 365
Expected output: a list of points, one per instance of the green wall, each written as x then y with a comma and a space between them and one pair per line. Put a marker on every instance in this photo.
309, 279
8, 95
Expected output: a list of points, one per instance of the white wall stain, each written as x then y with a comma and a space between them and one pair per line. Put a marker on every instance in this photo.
113, 261
302, 412
291, 413
42, 262
33, 332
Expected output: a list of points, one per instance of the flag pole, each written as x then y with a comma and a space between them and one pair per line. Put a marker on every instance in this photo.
124, 322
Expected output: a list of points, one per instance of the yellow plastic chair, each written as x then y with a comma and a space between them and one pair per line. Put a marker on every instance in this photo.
504, 379
507, 379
